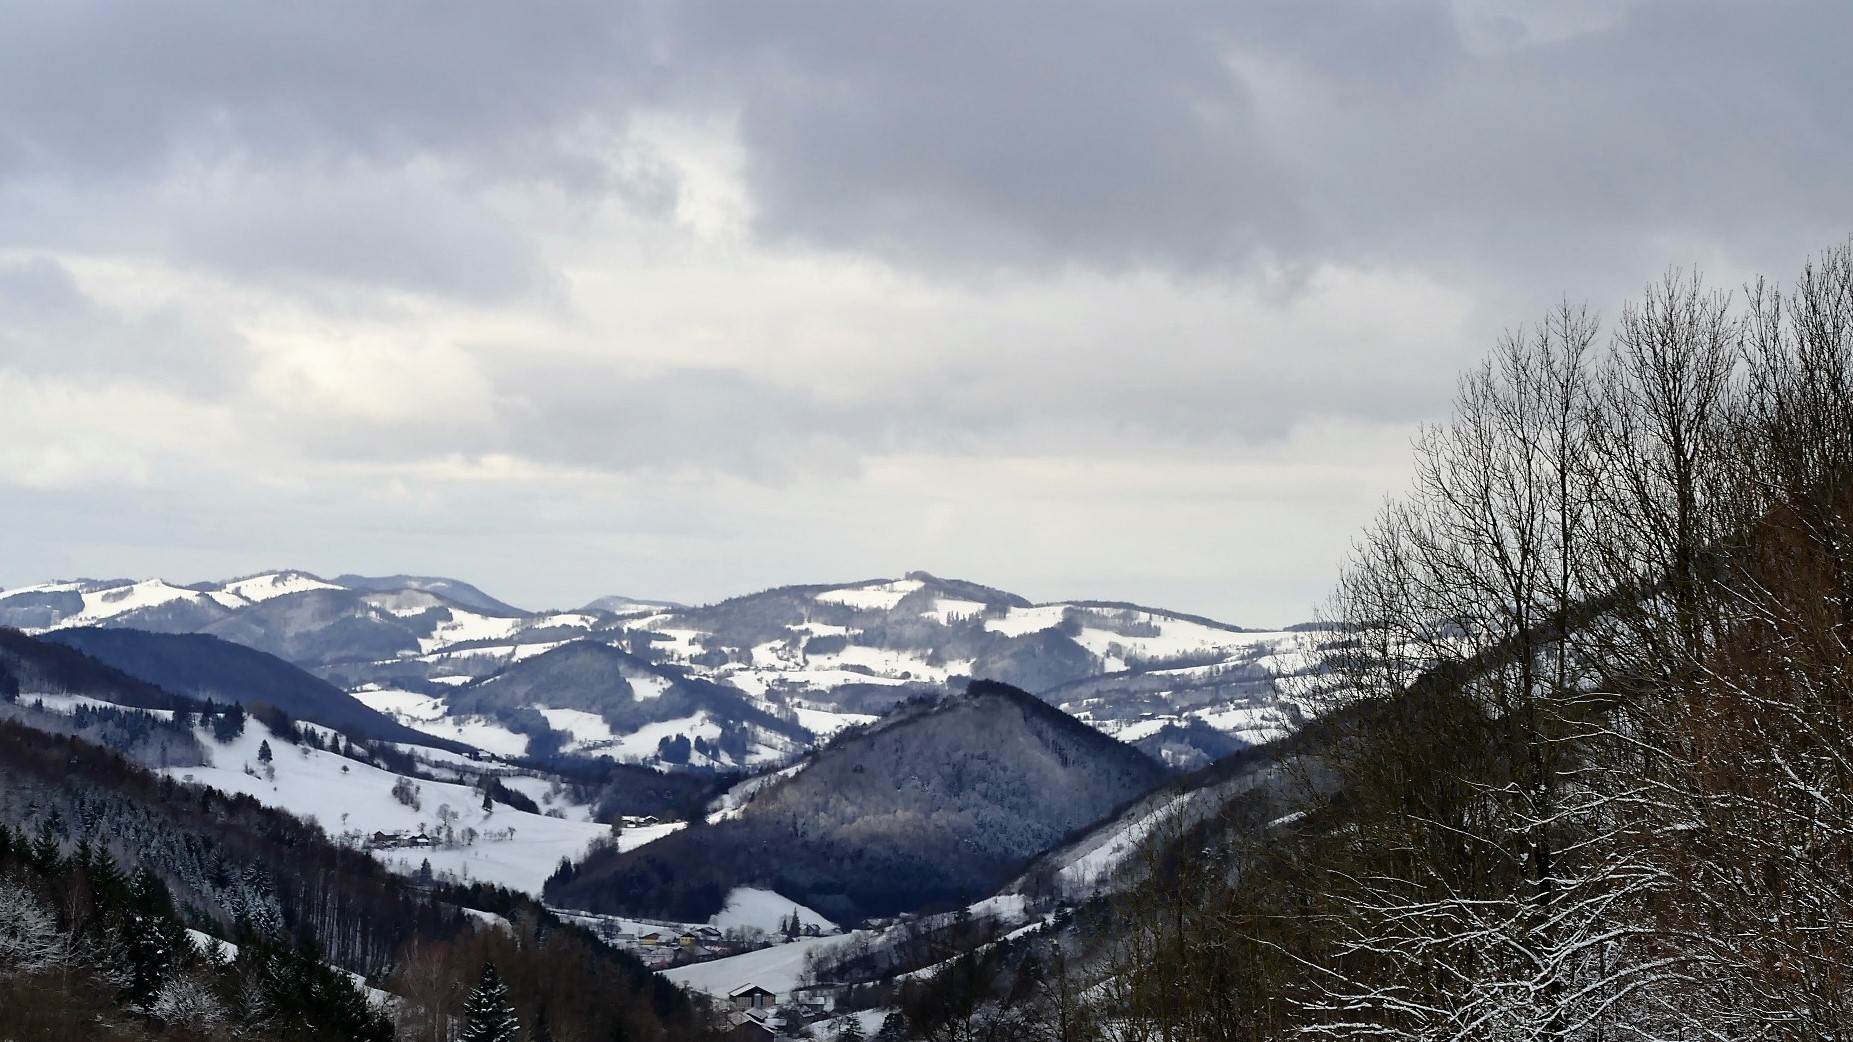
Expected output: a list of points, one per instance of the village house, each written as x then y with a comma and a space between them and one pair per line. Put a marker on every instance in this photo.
657, 958
750, 1026
752, 996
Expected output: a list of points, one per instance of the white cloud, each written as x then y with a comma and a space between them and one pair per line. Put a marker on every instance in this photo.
680, 301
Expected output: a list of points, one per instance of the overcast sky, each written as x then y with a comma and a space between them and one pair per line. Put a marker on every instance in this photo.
1128, 300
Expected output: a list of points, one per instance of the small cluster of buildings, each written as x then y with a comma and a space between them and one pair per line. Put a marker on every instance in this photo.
661, 949
398, 840
755, 1014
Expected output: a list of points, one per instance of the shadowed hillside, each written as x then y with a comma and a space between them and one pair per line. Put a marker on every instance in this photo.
206, 667
936, 803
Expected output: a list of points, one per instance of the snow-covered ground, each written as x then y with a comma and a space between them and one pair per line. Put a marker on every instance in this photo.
465, 626
524, 864
747, 906
57, 702
407, 707
776, 968
1020, 621
429, 713
1255, 724
513, 848
642, 743
101, 605
255, 588
823, 722
586, 728
549, 795
756, 681
1106, 852
880, 596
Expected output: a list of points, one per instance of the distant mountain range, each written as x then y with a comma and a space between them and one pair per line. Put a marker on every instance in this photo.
752, 679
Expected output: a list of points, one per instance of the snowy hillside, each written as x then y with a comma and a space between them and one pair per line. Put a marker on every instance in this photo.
352, 799
1111, 854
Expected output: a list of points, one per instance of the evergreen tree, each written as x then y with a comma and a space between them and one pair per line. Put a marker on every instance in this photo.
46, 853
488, 1016
263, 751
155, 940
229, 724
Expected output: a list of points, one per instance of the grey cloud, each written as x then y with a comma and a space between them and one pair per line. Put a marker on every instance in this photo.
593, 414
1113, 133
346, 141
50, 327
1572, 162
1195, 137
377, 233
115, 88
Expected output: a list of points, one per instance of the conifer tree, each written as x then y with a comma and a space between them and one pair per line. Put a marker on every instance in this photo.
488, 1015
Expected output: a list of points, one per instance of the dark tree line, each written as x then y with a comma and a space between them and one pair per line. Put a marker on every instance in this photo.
91, 950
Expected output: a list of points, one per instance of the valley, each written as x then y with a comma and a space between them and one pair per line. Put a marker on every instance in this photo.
680, 781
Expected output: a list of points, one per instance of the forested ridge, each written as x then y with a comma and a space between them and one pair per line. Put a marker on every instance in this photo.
204, 666
937, 803
1582, 769
103, 865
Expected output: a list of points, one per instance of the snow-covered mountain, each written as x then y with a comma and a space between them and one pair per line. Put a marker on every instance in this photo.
817, 658
1164, 680
585, 698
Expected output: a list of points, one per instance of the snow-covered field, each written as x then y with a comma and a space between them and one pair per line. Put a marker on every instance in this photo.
428, 713
776, 968
100, 605
823, 723
521, 864
881, 596
747, 906
263, 587
513, 848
